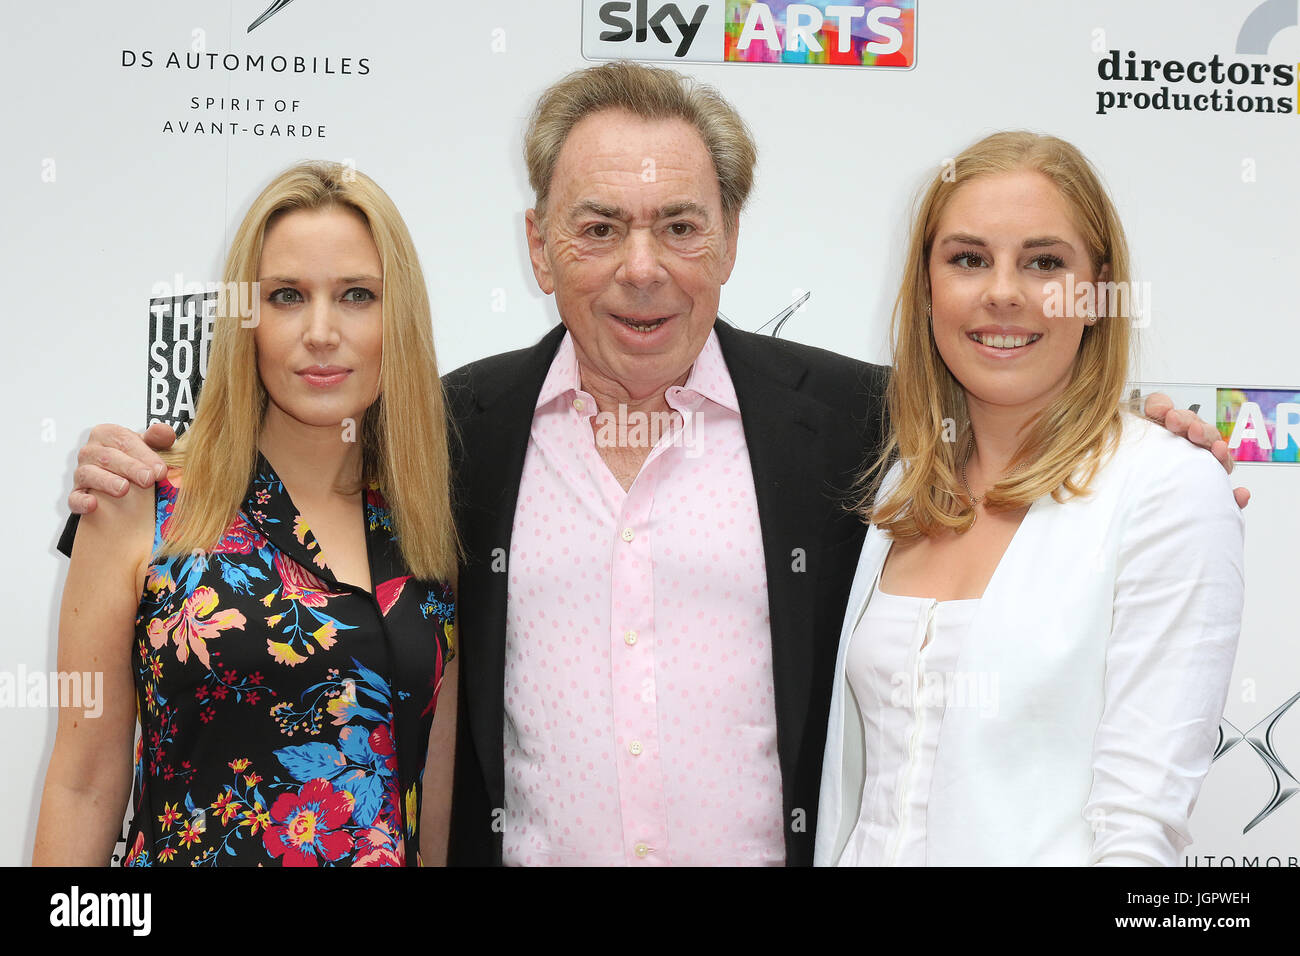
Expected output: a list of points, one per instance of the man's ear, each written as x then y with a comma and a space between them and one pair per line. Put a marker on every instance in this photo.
533, 230
729, 256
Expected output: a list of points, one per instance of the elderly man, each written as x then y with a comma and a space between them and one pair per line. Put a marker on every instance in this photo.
648, 629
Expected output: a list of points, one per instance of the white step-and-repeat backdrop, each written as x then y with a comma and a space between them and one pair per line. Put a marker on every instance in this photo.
136, 134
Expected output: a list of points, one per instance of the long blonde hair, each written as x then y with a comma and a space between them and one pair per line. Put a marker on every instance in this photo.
403, 434
1069, 439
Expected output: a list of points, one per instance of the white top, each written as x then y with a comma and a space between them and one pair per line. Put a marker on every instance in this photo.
902, 669
1110, 627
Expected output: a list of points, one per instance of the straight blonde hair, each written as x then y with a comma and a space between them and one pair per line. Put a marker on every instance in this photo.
1069, 439
403, 434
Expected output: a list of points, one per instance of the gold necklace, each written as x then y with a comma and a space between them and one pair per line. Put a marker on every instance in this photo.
970, 446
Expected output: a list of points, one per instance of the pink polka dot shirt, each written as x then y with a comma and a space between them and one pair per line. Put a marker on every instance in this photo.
640, 724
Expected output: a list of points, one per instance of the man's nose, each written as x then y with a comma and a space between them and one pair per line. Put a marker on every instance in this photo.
642, 264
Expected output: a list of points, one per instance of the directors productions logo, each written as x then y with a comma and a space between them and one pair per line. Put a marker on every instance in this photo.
874, 33
1200, 84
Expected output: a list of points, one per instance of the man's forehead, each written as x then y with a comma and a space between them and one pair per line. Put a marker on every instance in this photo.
613, 141
640, 165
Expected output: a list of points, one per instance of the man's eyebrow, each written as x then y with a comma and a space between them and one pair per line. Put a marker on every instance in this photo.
599, 208
685, 206
669, 211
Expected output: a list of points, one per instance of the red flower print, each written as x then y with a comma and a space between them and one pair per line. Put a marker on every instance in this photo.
381, 742
379, 857
255, 818
192, 833
299, 583
389, 591
307, 826
135, 850
379, 846
240, 538
227, 806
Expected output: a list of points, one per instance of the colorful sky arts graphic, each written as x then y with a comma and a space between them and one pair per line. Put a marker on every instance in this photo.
1265, 420
899, 14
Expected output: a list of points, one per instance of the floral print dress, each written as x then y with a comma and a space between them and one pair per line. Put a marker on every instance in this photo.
284, 714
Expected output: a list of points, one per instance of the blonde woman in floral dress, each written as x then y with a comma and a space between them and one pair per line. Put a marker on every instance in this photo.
278, 612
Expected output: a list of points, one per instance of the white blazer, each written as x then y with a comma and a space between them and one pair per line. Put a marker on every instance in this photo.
1109, 630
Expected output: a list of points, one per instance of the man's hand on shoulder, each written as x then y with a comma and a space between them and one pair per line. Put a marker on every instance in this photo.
1159, 408
112, 458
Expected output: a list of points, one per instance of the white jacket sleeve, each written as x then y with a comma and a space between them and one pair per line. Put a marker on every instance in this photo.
1179, 591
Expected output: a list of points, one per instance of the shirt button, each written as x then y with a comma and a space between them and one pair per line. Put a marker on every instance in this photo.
628, 534
629, 638
641, 850
579, 404
635, 748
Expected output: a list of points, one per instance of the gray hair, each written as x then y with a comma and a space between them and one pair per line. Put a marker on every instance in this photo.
651, 93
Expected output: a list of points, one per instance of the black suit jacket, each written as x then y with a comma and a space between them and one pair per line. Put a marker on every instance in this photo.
810, 417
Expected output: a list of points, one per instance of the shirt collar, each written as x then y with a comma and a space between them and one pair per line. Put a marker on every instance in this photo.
708, 378
271, 511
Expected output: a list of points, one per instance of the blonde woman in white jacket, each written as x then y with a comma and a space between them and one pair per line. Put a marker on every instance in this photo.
1042, 628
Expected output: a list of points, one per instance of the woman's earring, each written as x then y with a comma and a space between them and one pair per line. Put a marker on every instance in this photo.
928, 314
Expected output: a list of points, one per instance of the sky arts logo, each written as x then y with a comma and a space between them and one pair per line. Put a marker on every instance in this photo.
875, 33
